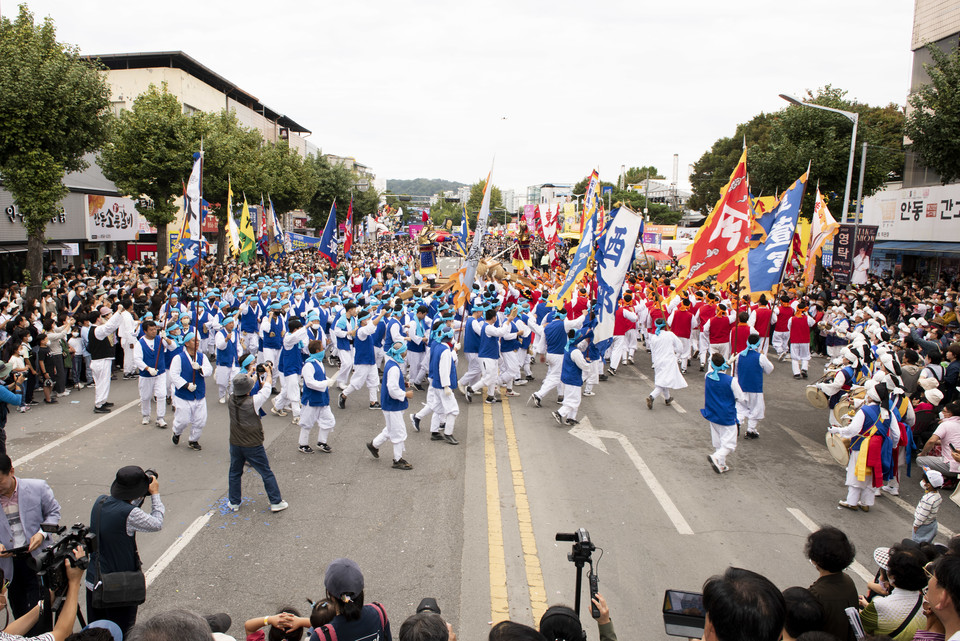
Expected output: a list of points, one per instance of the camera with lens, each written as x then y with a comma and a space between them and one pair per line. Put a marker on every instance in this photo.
152, 474
581, 554
51, 566
262, 367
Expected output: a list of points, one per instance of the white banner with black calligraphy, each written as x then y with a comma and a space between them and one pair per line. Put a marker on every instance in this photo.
614, 254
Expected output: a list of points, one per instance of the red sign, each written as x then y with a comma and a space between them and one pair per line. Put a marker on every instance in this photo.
209, 225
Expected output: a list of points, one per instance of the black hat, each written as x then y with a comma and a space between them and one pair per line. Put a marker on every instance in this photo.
343, 578
219, 622
428, 604
131, 483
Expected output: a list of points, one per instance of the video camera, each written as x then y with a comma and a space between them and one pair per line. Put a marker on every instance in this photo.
262, 367
582, 553
50, 566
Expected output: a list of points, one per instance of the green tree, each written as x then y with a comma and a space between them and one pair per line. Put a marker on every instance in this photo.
150, 157
476, 197
636, 175
934, 124
231, 153
54, 109
332, 182
287, 180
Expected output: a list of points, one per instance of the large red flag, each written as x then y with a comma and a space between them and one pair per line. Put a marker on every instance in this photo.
726, 231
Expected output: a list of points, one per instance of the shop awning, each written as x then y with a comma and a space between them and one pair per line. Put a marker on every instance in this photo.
14, 249
918, 248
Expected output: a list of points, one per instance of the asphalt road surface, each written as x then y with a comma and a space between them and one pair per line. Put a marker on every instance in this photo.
474, 525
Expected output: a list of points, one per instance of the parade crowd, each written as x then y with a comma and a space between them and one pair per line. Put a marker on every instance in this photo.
294, 336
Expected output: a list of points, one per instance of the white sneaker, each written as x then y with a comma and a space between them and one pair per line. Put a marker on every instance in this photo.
279, 507
232, 507
295, 420
65, 392
589, 393
145, 420
223, 399
161, 423
892, 490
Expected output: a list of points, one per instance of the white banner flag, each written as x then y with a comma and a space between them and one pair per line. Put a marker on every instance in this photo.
614, 255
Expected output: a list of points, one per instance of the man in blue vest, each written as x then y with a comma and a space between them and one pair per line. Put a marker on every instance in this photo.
344, 331
394, 398
316, 401
443, 380
721, 395
575, 365
471, 348
751, 365
418, 336
555, 331
188, 372
290, 366
149, 356
271, 337
249, 314
228, 356
490, 335
510, 351
364, 359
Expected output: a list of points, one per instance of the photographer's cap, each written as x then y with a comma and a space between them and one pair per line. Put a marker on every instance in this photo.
5, 369
131, 483
428, 604
242, 385
343, 578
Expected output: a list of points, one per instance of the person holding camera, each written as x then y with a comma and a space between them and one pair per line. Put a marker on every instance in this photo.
116, 519
27, 505
23, 625
11, 394
246, 439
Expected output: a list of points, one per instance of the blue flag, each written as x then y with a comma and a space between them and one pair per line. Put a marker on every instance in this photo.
462, 236
328, 241
765, 262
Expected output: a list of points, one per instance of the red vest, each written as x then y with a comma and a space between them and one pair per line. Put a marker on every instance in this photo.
720, 330
738, 337
763, 321
682, 321
783, 317
799, 330
621, 323
707, 311
575, 310
655, 313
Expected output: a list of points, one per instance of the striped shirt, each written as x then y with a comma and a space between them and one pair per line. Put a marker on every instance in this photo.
927, 509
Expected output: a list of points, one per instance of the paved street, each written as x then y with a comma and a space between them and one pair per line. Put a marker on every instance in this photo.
473, 525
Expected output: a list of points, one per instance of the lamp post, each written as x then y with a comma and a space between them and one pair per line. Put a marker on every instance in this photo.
855, 119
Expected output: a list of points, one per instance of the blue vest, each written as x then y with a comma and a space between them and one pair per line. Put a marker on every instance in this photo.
721, 406
291, 360
387, 402
511, 344
541, 312
423, 331
363, 350
525, 340
871, 417
298, 310
379, 334
248, 319
273, 339
436, 351
170, 354
471, 340
556, 336
311, 396
750, 372
344, 343
228, 356
388, 330
150, 357
489, 345
190, 375
570, 372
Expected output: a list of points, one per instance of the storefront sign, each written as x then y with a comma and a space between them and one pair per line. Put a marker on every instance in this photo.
917, 214
65, 224
71, 249
111, 218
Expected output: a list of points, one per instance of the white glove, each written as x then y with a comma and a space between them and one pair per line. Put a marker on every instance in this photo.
322, 385
192, 387
196, 365
447, 391
152, 371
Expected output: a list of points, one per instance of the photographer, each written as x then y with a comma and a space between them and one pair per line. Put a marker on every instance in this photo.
561, 622
116, 519
246, 439
21, 626
27, 504
10, 394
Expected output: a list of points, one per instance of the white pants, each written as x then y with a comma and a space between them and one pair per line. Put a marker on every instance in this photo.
630, 340
724, 438
192, 413
209, 347
660, 391
510, 371
686, 348
270, 354
224, 376
419, 364
526, 358
491, 372
751, 411
101, 378
571, 401
720, 348
704, 347
153, 387
364, 375
251, 343
800, 356
552, 378
289, 394
473, 373
445, 410
781, 342
346, 364
129, 367
591, 376
395, 432
618, 351
319, 415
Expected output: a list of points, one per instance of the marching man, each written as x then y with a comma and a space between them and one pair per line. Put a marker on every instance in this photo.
443, 380
752, 364
575, 363
148, 354
188, 371
665, 350
316, 402
393, 401
721, 395
228, 357
799, 332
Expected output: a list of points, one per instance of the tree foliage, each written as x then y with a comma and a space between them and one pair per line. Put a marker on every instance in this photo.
54, 109
333, 183
476, 197
636, 175
422, 186
781, 144
150, 157
284, 176
934, 124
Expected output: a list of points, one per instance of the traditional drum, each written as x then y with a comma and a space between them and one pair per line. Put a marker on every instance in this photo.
839, 448
817, 398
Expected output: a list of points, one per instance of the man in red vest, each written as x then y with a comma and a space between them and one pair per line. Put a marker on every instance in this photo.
781, 335
708, 309
681, 323
799, 329
740, 333
718, 332
624, 319
760, 319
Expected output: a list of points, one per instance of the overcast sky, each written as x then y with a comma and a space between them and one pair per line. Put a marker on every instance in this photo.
435, 89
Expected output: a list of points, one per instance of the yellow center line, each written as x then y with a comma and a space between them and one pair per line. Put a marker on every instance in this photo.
531, 560
499, 604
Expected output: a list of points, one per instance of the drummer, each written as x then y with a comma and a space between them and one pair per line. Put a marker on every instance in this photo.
851, 373
871, 444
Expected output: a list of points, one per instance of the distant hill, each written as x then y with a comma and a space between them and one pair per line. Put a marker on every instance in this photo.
421, 186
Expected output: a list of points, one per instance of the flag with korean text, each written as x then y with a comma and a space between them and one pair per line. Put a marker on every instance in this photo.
233, 232
822, 228
585, 250
247, 242
765, 263
190, 249
725, 232
615, 252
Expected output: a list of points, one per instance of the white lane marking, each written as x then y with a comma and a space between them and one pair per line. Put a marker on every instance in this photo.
815, 450
77, 432
176, 547
586, 432
675, 405
808, 523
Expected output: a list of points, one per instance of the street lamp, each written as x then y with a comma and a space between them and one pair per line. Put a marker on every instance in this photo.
854, 118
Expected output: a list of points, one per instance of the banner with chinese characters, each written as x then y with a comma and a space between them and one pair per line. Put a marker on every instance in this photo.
849, 265
614, 255
111, 218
